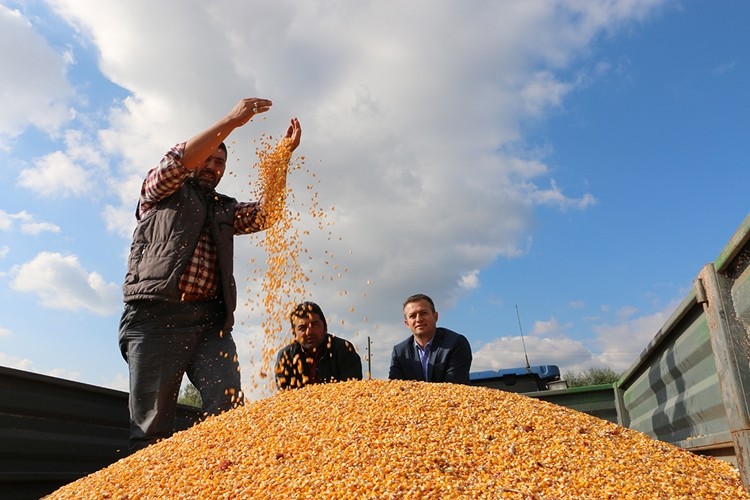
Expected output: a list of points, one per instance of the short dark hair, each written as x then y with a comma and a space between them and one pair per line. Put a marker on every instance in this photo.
304, 309
223, 147
416, 298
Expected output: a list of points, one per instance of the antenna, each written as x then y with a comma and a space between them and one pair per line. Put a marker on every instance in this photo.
528, 366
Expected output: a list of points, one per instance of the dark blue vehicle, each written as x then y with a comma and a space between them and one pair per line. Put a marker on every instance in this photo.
524, 379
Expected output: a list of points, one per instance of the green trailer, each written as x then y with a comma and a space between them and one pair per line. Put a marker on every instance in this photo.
690, 385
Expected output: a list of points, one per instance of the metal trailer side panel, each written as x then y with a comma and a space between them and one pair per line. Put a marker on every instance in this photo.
723, 288
741, 298
672, 393
54, 431
732, 354
594, 400
691, 385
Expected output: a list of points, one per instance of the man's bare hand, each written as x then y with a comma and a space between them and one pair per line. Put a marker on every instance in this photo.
247, 108
294, 134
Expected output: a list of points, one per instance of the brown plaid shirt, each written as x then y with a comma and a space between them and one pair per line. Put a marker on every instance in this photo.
200, 278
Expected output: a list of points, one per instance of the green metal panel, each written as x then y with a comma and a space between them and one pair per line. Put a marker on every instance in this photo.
729, 341
739, 240
741, 297
673, 394
595, 400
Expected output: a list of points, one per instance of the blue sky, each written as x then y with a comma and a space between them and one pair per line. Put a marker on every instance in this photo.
578, 160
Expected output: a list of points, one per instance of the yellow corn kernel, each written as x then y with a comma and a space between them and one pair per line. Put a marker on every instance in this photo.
403, 439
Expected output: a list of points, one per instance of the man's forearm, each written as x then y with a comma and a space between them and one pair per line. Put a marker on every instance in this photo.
202, 145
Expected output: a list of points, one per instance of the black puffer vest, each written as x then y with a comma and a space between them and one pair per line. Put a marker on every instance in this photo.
164, 241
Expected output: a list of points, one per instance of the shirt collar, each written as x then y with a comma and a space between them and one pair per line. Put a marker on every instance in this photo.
428, 345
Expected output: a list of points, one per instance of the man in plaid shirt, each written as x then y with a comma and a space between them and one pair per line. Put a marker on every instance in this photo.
179, 290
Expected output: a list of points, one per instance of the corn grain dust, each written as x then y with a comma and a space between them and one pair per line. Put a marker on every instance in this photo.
399, 439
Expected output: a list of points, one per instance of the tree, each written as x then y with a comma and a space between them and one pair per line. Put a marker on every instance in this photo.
189, 395
591, 376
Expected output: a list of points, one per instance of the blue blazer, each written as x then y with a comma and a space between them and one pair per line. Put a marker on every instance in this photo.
450, 359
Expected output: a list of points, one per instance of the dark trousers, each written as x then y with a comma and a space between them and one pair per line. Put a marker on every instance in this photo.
162, 342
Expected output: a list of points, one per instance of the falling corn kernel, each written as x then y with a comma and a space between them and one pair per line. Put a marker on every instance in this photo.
284, 278
405, 439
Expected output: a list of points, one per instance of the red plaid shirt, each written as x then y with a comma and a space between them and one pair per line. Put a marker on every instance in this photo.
200, 278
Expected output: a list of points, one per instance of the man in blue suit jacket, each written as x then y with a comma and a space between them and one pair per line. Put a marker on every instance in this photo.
432, 353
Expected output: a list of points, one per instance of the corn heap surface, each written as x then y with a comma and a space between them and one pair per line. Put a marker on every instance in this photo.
397, 439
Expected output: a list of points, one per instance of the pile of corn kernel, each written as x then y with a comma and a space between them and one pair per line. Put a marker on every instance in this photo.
401, 439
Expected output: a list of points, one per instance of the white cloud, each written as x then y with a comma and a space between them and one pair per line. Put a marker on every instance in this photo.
27, 365
119, 382
5, 332
33, 94
119, 220
550, 327
626, 312
617, 346
64, 373
16, 363
60, 282
55, 174
72, 172
28, 224
555, 197
39, 227
542, 91
4, 250
6, 221
623, 341
508, 352
470, 280
79, 148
